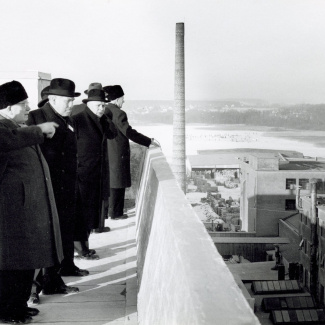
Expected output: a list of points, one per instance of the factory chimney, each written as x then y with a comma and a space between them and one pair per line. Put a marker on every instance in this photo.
179, 154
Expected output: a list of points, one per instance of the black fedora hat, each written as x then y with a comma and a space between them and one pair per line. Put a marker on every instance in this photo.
62, 87
93, 85
113, 92
95, 95
44, 96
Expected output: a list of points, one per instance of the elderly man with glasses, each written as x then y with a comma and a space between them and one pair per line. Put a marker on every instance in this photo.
29, 232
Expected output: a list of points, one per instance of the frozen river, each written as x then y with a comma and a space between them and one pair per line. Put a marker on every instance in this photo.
204, 137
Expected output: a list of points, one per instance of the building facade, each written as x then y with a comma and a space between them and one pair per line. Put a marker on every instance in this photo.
314, 282
269, 182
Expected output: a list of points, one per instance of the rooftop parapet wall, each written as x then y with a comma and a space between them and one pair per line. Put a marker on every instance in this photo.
182, 277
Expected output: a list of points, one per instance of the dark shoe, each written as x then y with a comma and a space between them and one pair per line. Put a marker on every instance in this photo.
60, 290
16, 319
125, 216
31, 311
74, 272
85, 253
33, 299
88, 257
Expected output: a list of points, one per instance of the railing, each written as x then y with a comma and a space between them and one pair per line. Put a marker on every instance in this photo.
182, 278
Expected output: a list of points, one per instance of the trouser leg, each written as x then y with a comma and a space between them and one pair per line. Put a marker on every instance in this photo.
37, 282
116, 202
15, 289
81, 247
52, 279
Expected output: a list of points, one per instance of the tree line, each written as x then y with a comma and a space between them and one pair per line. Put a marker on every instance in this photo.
303, 116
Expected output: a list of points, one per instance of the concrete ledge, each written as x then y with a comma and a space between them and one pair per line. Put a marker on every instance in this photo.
182, 278
248, 297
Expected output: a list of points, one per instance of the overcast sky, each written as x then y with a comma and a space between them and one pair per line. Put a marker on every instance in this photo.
268, 49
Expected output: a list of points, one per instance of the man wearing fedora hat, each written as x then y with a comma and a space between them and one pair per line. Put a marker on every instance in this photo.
60, 153
44, 97
119, 151
80, 107
92, 128
30, 231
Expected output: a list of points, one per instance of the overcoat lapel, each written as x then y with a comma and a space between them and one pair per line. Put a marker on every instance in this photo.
52, 116
94, 119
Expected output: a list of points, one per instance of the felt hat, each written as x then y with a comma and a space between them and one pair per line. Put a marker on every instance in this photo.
44, 96
113, 92
93, 85
62, 87
95, 95
12, 93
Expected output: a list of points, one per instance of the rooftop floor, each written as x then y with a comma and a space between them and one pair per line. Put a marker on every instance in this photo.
109, 294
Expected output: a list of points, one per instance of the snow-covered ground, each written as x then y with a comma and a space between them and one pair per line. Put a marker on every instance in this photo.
205, 137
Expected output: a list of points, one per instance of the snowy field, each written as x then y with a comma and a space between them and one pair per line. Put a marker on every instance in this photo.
204, 137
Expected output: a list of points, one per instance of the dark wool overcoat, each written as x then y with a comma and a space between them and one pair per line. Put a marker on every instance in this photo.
119, 147
76, 109
60, 152
93, 172
29, 225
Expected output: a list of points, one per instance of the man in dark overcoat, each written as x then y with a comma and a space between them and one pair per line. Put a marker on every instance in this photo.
92, 128
29, 232
119, 151
60, 153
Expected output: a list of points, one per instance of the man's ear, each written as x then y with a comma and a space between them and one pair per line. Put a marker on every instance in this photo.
51, 98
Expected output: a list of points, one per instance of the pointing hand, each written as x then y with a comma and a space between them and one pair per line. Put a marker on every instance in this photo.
48, 128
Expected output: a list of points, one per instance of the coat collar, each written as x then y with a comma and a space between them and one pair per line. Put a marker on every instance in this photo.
4, 116
110, 105
52, 115
9, 121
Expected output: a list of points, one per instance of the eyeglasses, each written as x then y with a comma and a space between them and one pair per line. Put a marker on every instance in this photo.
25, 104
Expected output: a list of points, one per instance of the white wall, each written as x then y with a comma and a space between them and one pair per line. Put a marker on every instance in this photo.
33, 82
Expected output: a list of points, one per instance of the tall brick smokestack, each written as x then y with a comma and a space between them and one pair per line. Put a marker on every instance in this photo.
179, 154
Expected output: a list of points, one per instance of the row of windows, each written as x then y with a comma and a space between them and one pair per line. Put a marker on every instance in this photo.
291, 184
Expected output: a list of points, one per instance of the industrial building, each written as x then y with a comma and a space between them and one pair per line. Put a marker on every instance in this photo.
268, 188
307, 248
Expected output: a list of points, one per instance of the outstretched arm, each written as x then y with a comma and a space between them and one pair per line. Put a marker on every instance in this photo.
13, 139
19, 138
124, 126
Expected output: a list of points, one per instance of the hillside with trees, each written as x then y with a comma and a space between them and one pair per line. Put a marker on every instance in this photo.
303, 116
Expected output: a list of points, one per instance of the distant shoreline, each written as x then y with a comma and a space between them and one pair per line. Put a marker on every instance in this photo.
306, 138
